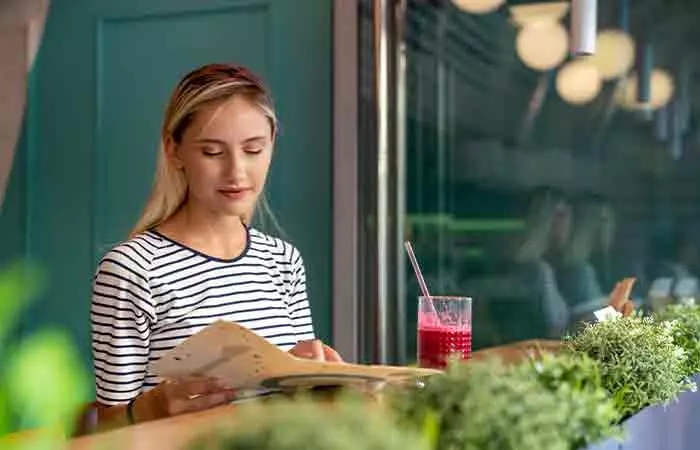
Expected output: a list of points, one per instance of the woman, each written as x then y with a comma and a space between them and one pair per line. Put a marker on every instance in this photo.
192, 258
523, 300
547, 232
579, 278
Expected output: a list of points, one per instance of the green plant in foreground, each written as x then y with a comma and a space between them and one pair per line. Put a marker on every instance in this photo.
304, 425
685, 318
485, 406
640, 365
575, 380
42, 382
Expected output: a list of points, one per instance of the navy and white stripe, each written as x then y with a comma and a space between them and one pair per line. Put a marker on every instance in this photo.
150, 293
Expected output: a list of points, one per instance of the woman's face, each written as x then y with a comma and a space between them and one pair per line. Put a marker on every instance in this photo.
607, 228
561, 224
225, 154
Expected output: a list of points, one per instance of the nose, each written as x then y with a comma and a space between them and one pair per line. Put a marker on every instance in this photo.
235, 165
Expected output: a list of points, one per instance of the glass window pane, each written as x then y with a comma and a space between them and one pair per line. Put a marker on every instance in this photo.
535, 190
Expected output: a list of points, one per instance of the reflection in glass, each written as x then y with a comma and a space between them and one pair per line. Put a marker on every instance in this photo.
533, 195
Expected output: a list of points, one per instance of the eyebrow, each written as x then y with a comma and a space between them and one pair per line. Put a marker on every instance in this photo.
255, 139
210, 141
249, 140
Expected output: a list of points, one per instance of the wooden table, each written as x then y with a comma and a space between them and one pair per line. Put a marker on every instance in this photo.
171, 433
165, 434
177, 432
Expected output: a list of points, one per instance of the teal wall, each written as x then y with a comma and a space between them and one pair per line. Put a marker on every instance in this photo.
85, 164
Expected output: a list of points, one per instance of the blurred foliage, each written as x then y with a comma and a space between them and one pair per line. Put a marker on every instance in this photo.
484, 406
304, 424
42, 381
575, 379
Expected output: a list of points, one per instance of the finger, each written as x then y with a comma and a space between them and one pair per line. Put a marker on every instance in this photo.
198, 385
303, 349
620, 296
199, 402
329, 354
627, 285
616, 298
628, 308
317, 353
189, 386
230, 394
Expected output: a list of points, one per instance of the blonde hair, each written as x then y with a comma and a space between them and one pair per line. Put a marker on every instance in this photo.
206, 86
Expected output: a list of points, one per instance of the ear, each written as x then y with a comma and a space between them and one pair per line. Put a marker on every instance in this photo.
171, 152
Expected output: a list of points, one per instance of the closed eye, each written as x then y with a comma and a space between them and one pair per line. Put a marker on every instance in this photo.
255, 144
253, 150
211, 151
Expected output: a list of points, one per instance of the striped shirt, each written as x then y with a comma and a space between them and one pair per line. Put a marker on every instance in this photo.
150, 293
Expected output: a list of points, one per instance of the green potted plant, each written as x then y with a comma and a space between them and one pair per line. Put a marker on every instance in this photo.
302, 424
485, 405
640, 364
575, 380
685, 320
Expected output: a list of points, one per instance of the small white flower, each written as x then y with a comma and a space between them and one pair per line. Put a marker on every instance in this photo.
538, 366
688, 301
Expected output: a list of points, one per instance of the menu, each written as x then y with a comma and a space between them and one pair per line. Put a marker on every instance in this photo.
242, 360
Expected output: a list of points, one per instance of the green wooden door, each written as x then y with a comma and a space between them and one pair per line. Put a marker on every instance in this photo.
99, 87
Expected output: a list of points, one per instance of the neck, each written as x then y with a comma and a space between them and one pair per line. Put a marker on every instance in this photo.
213, 234
205, 223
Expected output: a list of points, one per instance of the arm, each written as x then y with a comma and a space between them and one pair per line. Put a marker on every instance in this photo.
169, 398
298, 306
121, 318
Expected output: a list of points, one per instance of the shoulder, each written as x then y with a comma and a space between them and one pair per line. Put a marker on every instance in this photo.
122, 280
281, 251
134, 256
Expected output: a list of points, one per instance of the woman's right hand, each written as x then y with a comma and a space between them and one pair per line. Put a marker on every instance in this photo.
173, 397
620, 297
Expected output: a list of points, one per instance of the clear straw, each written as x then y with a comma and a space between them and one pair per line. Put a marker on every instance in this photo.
416, 269
421, 282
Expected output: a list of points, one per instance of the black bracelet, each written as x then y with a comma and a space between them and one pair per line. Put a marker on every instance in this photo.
130, 411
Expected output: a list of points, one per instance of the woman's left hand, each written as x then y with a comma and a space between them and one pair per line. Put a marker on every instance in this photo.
316, 350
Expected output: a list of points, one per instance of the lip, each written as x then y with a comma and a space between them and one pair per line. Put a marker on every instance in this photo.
234, 193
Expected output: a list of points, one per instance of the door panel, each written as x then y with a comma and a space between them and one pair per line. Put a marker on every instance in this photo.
100, 84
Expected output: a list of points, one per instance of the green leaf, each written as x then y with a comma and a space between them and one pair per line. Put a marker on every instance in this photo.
19, 284
431, 429
4, 412
46, 380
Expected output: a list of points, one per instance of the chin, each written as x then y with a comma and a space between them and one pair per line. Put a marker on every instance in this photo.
230, 212
234, 210
231, 208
